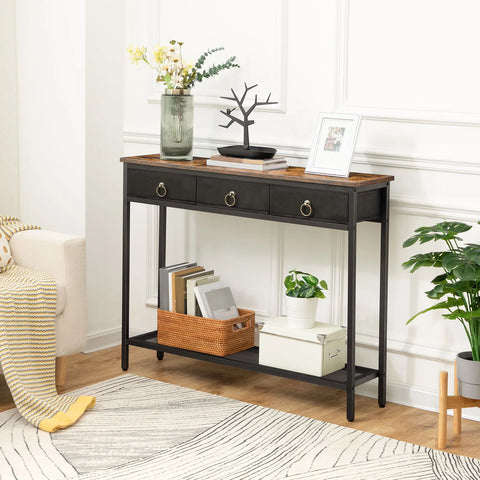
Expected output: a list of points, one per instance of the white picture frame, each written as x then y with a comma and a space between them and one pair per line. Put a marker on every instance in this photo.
333, 144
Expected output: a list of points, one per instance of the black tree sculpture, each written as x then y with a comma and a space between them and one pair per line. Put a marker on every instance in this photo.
245, 150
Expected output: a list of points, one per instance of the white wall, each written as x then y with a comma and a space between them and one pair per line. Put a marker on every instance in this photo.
51, 113
8, 111
104, 89
67, 173
409, 69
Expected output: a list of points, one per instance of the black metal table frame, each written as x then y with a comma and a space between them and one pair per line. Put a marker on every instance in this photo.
346, 379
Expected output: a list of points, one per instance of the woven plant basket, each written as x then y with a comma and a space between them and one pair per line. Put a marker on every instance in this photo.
206, 335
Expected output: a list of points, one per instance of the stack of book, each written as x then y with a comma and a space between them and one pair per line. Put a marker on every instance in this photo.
190, 289
276, 163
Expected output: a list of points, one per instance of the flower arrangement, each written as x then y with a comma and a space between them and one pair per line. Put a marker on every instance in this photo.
173, 70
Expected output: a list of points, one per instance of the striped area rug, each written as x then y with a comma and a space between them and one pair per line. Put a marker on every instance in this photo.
145, 429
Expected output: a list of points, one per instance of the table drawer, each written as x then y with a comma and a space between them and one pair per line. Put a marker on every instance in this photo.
232, 194
298, 202
161, 185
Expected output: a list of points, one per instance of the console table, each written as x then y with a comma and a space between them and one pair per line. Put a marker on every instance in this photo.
289, 196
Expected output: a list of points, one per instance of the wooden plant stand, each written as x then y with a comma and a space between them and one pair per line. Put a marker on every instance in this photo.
457, 402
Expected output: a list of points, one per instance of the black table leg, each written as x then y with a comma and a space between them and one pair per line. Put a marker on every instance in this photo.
125, 273
162, 247
382, 336
352, 267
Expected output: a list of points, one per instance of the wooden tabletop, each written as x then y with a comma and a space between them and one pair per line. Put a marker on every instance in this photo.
291, 173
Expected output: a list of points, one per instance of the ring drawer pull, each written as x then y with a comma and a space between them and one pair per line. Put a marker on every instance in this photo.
161, 190
230, 199
306, 208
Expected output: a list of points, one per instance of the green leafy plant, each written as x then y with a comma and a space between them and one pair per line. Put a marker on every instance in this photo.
173, 70
458, 286
307, 286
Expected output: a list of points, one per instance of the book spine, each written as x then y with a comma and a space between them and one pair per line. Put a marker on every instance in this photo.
254, 161
201, 304
246, 166
163, 288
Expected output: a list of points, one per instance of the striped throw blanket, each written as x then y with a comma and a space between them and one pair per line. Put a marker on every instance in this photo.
27, 344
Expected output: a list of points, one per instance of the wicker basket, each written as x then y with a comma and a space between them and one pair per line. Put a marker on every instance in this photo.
206, 335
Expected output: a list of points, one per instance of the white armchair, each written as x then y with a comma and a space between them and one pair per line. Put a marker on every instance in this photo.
63, 257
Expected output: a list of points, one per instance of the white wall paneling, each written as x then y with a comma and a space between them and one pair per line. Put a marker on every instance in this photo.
103, 171
51, 113
267, 69
410, 61
408, 69
9, 201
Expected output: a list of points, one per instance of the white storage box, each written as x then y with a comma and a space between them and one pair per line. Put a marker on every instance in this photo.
315, 351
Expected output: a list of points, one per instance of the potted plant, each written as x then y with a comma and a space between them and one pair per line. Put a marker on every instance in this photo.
458, 289
303, 292
179, 76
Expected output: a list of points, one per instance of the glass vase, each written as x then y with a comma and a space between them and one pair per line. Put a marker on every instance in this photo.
176, 134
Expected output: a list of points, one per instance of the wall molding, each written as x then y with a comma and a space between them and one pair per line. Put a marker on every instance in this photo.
339, 278
416, 163
152, 255
408, 349
298, 155
405, 205
384, 114
277, 239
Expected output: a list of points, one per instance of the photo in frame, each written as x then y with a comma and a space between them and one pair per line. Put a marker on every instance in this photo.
333, 144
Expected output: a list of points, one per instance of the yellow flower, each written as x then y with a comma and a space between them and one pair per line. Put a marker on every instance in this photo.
137, 53
160, 54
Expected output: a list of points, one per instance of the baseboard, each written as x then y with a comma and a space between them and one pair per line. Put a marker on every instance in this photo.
105, 339
412, 397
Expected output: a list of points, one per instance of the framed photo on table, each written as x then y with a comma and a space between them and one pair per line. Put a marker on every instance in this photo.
333, 145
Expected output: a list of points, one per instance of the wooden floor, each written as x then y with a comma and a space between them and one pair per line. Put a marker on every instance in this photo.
394, 421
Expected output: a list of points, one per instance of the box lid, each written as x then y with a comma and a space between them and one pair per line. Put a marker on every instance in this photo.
321, 333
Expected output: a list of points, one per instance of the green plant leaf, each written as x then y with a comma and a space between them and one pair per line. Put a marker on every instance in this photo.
472, 253
305, 287
431, 259
311, 280
439, 279
464, 314
201, 60
461, 267
437, 292
437, 306
289, 282
410, 241
445, 231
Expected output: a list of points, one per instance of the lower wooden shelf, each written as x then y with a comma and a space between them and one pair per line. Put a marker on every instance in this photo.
248, 360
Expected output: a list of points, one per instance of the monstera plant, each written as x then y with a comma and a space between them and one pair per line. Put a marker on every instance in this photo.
456, 287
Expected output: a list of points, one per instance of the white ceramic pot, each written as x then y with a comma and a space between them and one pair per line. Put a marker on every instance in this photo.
468, 374
301, 312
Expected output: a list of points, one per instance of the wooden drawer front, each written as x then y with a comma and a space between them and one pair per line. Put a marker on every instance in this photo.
325, 205
247, 195
176, 187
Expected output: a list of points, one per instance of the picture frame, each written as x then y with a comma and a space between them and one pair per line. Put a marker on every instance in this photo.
333, 144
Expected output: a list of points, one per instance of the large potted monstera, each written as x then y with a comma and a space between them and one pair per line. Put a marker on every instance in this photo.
457, 290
